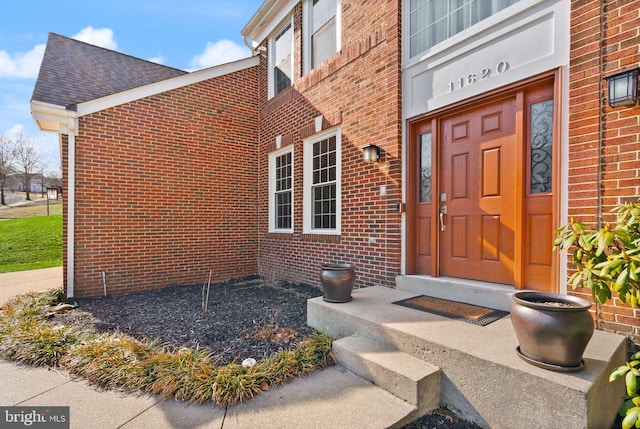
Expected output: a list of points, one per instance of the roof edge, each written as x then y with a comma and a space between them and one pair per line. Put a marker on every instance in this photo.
113, 100
269, 15
53, 118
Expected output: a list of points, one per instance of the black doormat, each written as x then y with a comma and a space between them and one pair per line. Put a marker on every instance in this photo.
481, 316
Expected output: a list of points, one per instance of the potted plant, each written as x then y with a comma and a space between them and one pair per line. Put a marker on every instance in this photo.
607, 260
553, 330
337, 281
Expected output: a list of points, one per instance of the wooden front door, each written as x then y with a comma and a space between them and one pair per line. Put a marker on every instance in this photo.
477, 194
481, 185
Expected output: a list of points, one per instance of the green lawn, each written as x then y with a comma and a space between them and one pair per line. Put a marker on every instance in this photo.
30, 243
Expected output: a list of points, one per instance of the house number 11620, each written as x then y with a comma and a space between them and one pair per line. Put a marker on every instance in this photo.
472, 78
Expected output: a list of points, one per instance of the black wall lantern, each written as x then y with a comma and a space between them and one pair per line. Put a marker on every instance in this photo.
371, 153
623, 88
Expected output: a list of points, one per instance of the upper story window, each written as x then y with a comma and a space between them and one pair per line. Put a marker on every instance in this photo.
321, 208
281, 60
281, 190
321, 31
434, 21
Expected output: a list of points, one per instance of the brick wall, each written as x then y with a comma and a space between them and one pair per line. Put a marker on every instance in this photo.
604, 142
166, 189
358, 89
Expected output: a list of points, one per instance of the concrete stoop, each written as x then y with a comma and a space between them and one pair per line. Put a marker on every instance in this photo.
428, 360
410, 379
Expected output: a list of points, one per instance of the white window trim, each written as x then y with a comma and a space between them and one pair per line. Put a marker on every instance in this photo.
272, 51
306, 32
491, 22
308, 181
272, 190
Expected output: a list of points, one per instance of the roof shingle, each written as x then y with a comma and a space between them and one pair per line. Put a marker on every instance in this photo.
73, 72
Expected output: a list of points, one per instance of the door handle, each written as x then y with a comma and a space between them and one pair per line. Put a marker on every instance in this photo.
443, 227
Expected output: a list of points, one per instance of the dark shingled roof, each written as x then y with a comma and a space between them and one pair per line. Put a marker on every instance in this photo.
73, 72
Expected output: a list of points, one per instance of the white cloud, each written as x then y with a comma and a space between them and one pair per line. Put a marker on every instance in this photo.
47, 145
158, 60
15, 130
102, 37
220, 52
22, 64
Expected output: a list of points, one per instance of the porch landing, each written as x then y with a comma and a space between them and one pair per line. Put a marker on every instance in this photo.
473, 370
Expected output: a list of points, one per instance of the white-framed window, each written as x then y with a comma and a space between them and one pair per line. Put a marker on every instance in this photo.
322, 171
281, 59
434, 21
321, 31
281, 190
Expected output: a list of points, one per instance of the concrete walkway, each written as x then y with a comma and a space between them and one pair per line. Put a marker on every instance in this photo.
331, 398
21, 282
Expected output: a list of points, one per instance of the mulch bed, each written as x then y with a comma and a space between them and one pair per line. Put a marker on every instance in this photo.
244, 319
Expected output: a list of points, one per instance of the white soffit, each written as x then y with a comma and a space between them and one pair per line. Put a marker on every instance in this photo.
53, 118
268, 16
113, 100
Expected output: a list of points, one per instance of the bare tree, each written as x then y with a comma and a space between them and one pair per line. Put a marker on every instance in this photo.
7, 156
27, 161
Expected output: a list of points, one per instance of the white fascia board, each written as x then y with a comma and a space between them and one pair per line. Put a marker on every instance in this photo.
53, 118
269, 16
130, 95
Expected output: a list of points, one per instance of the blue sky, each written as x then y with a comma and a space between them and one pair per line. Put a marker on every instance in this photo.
185, 34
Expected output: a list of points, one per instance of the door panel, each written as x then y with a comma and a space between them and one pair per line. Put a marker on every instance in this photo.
489, 213
421, 260
478, 172
539, 226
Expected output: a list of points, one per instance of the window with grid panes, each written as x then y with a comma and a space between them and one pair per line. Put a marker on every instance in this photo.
283, 192
323, 192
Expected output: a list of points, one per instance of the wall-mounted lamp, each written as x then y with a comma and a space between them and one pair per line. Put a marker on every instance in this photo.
623, 88
371, 153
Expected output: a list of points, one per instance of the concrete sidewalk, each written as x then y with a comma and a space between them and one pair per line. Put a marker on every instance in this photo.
21, 282
331, 398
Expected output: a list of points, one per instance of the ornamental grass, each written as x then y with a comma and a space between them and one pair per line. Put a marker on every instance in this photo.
118, 361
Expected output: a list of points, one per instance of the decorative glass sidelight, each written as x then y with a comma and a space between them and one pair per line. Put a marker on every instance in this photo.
425, 168
541, 146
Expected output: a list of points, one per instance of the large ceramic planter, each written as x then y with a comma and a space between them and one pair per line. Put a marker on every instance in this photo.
553, 330
337, 281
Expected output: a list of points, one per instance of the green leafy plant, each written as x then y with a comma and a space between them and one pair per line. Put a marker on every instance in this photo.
631, 407
607, 260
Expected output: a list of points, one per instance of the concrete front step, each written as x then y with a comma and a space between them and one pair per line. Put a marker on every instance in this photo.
483, 294
410, 379
483, 379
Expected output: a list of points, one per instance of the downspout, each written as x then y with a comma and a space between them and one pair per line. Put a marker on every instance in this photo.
250, 46
71, 203
601, 65
71, 129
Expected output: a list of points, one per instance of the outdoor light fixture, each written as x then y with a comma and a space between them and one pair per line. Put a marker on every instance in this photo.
371, 153
623, 88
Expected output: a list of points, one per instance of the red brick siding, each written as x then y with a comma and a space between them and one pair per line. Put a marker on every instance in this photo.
166, 189
358, 89
603, 172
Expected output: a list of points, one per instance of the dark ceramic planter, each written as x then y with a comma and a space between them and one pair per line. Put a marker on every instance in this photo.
337, 281
553, 330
